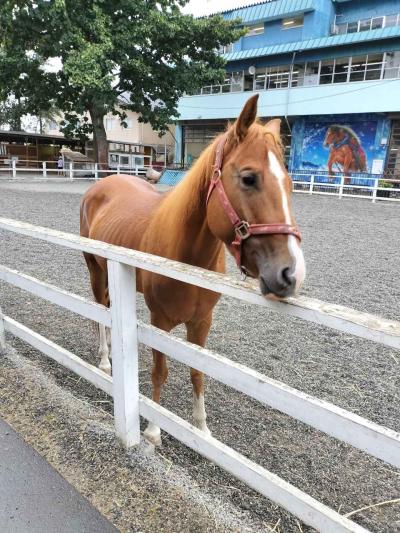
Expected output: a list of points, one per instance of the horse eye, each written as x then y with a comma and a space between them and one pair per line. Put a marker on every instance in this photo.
249, 181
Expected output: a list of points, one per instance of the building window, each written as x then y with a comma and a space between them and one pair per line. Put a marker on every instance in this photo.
311, 76
259, 79
278, 77
327, 69
373, 70
366, 67
392, 20
110, 122
129, 123
292, 22
298, 74
255, 29
325, 72
392, 65
377, 23
366, 24
237, 81
357, 69
341, 70
53, 125
225, 49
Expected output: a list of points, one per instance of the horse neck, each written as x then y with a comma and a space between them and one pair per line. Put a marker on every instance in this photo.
183, 215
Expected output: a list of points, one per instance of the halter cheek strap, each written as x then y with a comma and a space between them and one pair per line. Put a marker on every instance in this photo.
243, 230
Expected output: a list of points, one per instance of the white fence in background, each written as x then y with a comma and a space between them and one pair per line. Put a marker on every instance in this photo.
47, 170
358, 186
128, 331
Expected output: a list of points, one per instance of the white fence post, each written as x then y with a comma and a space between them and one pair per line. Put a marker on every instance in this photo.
44, 169
341, 186
118, 169
312, 184
124, 341
375, 190
14, 168
96, 171
71, 170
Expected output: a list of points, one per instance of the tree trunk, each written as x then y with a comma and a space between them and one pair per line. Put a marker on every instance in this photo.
100, 144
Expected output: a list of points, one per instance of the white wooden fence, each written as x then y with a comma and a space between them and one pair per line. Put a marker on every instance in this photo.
372, 187
127, 332
47, 170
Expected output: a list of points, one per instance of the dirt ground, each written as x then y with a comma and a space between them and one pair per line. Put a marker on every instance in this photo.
351, 249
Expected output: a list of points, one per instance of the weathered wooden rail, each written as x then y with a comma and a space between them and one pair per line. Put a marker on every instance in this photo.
127, 332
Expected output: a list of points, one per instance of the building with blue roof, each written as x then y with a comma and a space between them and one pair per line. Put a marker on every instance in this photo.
318, 65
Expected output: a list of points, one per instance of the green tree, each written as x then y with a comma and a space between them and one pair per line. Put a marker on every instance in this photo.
11, 113
145, 50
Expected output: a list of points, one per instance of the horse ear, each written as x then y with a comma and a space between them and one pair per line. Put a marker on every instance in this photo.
274, 127
246, 117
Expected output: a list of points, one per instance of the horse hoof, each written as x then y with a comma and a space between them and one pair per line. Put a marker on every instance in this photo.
106, 368
202, 426
153, 435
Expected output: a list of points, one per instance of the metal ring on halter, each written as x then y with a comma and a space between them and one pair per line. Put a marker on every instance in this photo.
242, 230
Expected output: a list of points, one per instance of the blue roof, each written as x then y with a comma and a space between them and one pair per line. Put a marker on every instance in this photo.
321, 42
269, 10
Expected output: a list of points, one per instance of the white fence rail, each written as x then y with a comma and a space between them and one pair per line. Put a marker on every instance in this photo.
47, 170
127, 332
372, 187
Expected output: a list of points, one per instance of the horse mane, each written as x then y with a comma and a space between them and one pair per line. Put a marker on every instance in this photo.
186, 197
349, 130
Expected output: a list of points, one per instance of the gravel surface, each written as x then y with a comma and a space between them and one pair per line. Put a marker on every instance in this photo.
351, 249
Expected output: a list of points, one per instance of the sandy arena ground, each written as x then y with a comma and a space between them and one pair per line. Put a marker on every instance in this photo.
352, 253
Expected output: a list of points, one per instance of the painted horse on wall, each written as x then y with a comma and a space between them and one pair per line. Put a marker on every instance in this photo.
346, 151
237, 195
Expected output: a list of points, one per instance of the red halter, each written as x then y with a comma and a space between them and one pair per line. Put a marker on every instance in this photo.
243, 230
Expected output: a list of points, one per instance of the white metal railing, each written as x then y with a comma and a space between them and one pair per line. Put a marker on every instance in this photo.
370, 187
127, 331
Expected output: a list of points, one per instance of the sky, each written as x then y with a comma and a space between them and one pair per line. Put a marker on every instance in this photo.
204, 7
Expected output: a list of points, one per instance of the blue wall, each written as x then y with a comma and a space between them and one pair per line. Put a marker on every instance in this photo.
318, 22
363, 97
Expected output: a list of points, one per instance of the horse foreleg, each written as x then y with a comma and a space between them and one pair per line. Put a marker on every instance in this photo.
98, 281
330, 168
197, 332
104, 351
159, 376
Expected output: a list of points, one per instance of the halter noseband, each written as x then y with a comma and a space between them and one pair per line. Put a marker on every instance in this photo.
243, 230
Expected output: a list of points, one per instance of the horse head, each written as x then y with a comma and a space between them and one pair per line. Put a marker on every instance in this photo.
258, 188
333, 135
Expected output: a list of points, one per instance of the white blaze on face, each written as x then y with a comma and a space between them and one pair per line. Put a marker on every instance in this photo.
295, 251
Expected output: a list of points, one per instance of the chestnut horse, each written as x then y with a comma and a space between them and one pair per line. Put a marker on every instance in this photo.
191, 225
345, 150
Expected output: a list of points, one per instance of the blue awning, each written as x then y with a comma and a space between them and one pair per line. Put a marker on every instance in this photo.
322, 42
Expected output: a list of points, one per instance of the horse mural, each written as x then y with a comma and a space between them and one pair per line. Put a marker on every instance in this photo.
236, 195
345, 150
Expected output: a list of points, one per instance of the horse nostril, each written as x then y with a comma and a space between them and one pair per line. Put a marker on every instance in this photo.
286, 277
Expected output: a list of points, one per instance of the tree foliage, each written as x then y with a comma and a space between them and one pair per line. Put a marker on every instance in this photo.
143, 53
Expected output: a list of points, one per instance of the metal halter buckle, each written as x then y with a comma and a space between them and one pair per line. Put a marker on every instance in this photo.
242, 230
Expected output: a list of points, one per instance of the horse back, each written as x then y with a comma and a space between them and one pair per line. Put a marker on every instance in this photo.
117, 210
